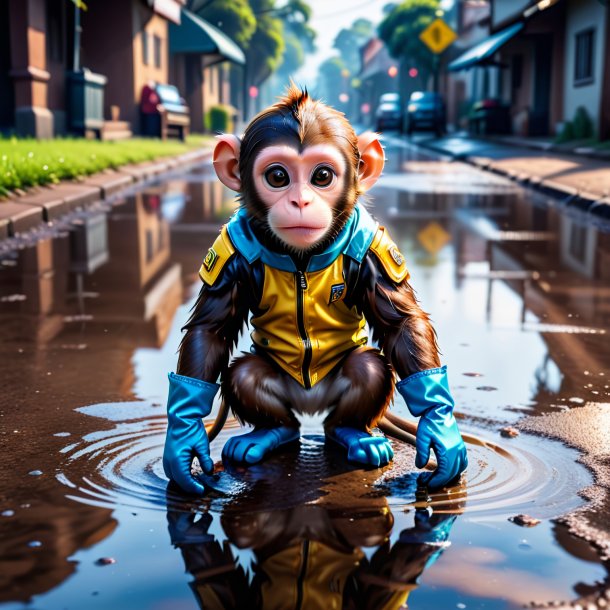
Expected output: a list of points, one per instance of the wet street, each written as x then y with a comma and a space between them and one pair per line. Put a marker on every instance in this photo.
518, 288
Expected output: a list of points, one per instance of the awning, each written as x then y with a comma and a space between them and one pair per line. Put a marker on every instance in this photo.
483, 52
196, 36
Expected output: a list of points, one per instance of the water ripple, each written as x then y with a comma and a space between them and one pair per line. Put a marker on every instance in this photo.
121, 466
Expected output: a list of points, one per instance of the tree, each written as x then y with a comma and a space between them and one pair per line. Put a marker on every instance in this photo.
331, 77
266, 45
299, 36
234, 17
400, 30
349, 40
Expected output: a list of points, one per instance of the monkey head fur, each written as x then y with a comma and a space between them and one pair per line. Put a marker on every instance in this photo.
299, 169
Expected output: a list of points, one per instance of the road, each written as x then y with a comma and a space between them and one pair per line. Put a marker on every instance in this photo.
517, 288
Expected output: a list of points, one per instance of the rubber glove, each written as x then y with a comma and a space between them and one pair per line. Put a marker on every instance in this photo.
428, 397
189, 400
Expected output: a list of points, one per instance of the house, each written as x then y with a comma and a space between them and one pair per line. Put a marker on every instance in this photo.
199, 56
378, 75
545, 59
65, 70
122, 43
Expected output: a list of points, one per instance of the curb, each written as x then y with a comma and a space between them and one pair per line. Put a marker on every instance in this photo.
586, 201
47, 204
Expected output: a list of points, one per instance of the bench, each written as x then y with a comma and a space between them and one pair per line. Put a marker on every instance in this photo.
164, 112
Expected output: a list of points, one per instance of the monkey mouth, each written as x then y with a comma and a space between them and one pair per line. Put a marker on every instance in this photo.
301, 228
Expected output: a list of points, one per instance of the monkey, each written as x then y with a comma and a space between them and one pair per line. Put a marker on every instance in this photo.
304, 258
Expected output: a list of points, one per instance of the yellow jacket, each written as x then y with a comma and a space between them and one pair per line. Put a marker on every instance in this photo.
302, 320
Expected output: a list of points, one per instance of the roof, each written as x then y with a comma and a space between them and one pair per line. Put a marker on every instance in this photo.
483, 52
196, 36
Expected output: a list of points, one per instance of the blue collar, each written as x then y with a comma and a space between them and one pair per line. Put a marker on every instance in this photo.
354, 241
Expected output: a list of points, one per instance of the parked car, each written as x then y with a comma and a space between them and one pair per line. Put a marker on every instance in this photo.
426, 110
389, 114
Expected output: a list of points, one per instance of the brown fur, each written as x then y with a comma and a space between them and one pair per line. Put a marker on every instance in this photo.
305, 122
369, 382
357, 394
404, 329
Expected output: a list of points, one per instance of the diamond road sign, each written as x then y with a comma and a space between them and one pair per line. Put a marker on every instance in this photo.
438, 36
433, 237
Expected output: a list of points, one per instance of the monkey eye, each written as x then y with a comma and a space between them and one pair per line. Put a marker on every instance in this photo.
277, 177
322, 176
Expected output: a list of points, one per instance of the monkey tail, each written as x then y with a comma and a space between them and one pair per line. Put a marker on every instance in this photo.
216, 426
398, 428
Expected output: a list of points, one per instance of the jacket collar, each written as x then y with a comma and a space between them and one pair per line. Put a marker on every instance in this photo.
354, 241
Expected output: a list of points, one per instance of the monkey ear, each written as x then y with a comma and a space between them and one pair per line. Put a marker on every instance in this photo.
372, 159
226, 161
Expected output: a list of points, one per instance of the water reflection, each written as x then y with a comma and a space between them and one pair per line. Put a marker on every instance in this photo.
315, 540
93, 314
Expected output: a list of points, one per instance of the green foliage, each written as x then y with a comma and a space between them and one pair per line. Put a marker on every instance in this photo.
330, 79
299, 36
267, 44
400, 30
583, 125
296, 15
349, 40
219, 119
234, 17
566, 134
293, 57
579, 128
28, 162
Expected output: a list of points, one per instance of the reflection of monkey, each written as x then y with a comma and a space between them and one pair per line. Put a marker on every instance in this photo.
312, 267
309, 558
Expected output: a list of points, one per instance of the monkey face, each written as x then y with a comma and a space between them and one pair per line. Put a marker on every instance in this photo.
300, 189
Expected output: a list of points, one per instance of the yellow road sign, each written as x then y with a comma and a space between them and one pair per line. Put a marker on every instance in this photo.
438, 36
433, 237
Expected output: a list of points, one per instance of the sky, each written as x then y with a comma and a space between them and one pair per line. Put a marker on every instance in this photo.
328, 18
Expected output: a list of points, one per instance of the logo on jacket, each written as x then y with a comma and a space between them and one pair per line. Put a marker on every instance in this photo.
210, 259
336, 292
396, 255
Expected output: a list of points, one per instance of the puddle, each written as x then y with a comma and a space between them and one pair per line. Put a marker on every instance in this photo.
90, 326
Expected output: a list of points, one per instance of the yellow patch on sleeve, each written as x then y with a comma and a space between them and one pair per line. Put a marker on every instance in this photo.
216, 258
389, 256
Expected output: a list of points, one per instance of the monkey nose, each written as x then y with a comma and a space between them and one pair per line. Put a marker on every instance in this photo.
301, 197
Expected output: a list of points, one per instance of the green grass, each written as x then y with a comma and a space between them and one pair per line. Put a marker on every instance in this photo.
29, 162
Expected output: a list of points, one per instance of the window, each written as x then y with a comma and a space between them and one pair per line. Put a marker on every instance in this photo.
157, 42
583, 64
145, 48
578, 242
55, 31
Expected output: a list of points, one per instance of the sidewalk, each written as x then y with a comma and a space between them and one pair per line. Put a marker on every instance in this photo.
580, 179
46, 204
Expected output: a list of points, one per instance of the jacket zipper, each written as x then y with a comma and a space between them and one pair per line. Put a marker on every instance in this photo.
302, 574
301, 282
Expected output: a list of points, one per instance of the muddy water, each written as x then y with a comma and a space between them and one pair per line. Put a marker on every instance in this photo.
91, 313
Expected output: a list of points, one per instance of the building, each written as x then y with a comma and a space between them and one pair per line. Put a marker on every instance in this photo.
378, 75
65, 70
544, 59
465, 87
199, 53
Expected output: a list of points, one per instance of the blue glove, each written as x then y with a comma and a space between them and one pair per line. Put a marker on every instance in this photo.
428, 397
189, 400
